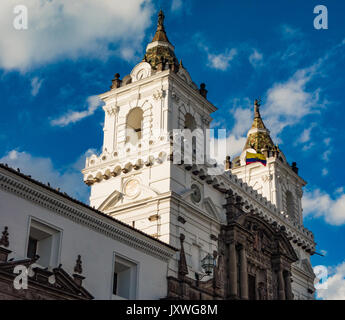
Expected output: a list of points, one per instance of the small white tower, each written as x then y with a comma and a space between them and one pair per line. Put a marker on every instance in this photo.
277, 181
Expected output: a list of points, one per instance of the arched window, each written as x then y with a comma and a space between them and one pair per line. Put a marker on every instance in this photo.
290, 207
189, 122
134, 125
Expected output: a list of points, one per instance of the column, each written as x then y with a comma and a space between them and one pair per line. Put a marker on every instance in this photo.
244, 274
232, 270
281, 285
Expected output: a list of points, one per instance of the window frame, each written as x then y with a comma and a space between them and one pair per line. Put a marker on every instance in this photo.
31, 223
133, 296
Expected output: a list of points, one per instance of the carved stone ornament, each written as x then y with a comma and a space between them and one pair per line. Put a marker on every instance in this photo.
175, 96
78, 265
196, 195
205, 120
159, 94
112, 110
267, 178
182, 263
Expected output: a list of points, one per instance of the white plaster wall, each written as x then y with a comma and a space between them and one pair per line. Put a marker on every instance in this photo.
96, 249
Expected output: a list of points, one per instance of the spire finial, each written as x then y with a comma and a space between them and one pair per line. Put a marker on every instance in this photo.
160, 32
257, 104
161, 18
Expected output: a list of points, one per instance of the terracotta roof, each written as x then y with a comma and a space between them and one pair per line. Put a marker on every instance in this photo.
66, 196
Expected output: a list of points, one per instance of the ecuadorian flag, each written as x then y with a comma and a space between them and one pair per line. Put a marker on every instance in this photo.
255, 157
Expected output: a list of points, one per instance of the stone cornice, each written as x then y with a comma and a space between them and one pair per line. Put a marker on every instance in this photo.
31, 190
263, 205
263, 208
190, 91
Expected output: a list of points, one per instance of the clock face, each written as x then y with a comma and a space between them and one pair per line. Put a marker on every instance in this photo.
141, 74
132, 188
196, 195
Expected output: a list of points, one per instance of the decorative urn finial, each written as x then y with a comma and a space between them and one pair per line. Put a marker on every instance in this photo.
4, 239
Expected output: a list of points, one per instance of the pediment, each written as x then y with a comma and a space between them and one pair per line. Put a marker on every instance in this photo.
117, 198
270, 237
211, 209
307, 267
286, 249
111, 201
55, 282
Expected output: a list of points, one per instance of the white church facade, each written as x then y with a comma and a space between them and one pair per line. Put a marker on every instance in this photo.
243, 226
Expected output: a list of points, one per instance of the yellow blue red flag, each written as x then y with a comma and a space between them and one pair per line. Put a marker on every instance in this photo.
255, 157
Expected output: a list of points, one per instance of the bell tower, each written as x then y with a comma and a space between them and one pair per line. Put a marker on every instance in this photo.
278, 181
133, 179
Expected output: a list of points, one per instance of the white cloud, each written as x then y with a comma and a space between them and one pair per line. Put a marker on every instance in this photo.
242, 112
326, 155
36, 84
42, 169
176, 5
290, 31
233, 146
305, 136
324, 172
93, 103
323, 252
335, 284
319, 204
288, 102
308, 146
218, 61
221, 61
256, 58
327, 141
64, 28
339, 190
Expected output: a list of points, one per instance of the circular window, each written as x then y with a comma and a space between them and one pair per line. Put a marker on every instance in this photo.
132, 188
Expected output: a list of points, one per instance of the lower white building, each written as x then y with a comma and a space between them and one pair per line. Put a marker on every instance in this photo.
117, 261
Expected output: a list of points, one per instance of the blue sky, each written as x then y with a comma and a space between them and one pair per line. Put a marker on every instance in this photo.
51, 72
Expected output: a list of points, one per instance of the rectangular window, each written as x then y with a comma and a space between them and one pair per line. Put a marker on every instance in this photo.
32, 248
125, 279
44, 241
115, 283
